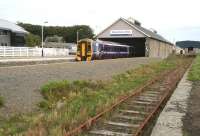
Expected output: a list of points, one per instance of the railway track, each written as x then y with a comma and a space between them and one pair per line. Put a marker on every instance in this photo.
131, 116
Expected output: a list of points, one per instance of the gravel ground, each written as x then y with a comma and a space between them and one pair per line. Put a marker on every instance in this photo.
19, 85
191, 122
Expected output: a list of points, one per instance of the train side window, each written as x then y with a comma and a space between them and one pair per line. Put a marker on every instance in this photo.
100, 47
96, 47
89, 47
105, 47
112, 48
115, 49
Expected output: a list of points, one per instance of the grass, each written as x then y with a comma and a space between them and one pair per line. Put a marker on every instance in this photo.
194, 73
66, 104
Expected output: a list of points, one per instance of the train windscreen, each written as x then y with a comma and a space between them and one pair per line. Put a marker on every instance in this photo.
95, 47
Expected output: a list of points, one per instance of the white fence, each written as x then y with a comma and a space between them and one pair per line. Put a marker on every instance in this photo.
30, 52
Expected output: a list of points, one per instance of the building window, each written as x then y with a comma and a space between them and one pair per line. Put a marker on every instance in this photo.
3, 32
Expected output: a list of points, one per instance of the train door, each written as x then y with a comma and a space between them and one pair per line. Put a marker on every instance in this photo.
89, 51
84, 51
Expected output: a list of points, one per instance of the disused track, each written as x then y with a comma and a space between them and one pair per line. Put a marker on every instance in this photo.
130, 115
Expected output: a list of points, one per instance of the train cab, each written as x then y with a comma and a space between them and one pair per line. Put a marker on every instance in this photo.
88, 50
84, 50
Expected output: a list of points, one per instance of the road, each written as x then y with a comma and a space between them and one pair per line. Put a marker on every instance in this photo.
19, 85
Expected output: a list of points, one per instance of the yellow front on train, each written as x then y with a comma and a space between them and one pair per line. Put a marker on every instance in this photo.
84, 50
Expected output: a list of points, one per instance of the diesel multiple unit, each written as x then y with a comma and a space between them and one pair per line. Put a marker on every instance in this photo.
88, 49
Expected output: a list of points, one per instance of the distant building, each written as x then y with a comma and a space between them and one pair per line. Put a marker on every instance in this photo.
55, 38
189, 46
11, 34
71, 46
179, 50
58, 42
145, 42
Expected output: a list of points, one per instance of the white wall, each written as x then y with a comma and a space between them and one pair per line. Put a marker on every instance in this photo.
29, 51
178, 50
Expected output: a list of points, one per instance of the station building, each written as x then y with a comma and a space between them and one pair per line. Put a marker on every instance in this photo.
145, 42
188, 47
11, 34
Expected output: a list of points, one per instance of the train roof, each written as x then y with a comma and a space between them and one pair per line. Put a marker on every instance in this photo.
104, 42
86, 39
111, 43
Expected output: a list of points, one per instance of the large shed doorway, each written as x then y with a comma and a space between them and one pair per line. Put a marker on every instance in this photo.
138, 44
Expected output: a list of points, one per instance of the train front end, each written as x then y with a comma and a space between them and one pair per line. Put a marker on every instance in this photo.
84, 50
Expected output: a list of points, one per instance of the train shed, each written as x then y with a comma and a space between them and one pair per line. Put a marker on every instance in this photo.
145, 42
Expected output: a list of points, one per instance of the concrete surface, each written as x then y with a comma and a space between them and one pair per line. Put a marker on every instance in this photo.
18, 61
11, 59
170, 122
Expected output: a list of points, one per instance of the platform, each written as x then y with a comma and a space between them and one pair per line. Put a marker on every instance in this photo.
169, 122
18, 61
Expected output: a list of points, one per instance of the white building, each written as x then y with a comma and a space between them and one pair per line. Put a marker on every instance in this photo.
11, 34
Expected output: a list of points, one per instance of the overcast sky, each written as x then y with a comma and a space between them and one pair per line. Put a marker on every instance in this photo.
174, 19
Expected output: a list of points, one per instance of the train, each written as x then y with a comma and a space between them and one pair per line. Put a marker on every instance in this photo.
88, 49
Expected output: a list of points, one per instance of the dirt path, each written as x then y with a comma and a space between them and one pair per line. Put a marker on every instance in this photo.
19, 84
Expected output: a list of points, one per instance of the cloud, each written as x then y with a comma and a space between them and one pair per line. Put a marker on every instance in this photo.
158, 14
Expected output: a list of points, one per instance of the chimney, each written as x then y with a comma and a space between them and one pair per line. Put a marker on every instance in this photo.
134, 21
153, 30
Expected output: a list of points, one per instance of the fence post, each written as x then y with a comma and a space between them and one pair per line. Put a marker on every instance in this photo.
20, 51
4, 52
27, 51
13, 52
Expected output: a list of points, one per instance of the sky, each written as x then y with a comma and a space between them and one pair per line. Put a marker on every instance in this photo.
174, 19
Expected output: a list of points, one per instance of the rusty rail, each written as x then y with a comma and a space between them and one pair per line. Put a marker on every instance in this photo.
170, 88
92, 120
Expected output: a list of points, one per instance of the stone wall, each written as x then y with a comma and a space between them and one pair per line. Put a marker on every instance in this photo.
155, 48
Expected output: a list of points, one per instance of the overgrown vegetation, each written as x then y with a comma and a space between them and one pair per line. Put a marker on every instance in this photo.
194, 74
67, 104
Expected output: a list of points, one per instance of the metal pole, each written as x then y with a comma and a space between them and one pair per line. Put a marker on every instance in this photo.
42, 40
77, 34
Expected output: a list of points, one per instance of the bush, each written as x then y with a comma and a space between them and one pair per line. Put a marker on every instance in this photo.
62, 90
32, 40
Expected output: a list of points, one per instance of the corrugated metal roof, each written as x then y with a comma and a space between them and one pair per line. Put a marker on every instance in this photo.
187, 44
147, 32
6, 25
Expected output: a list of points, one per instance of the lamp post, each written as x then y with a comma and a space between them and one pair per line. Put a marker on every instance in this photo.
43, 37
77, 36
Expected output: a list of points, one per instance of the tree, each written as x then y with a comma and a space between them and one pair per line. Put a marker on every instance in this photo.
68, 33
32, 40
